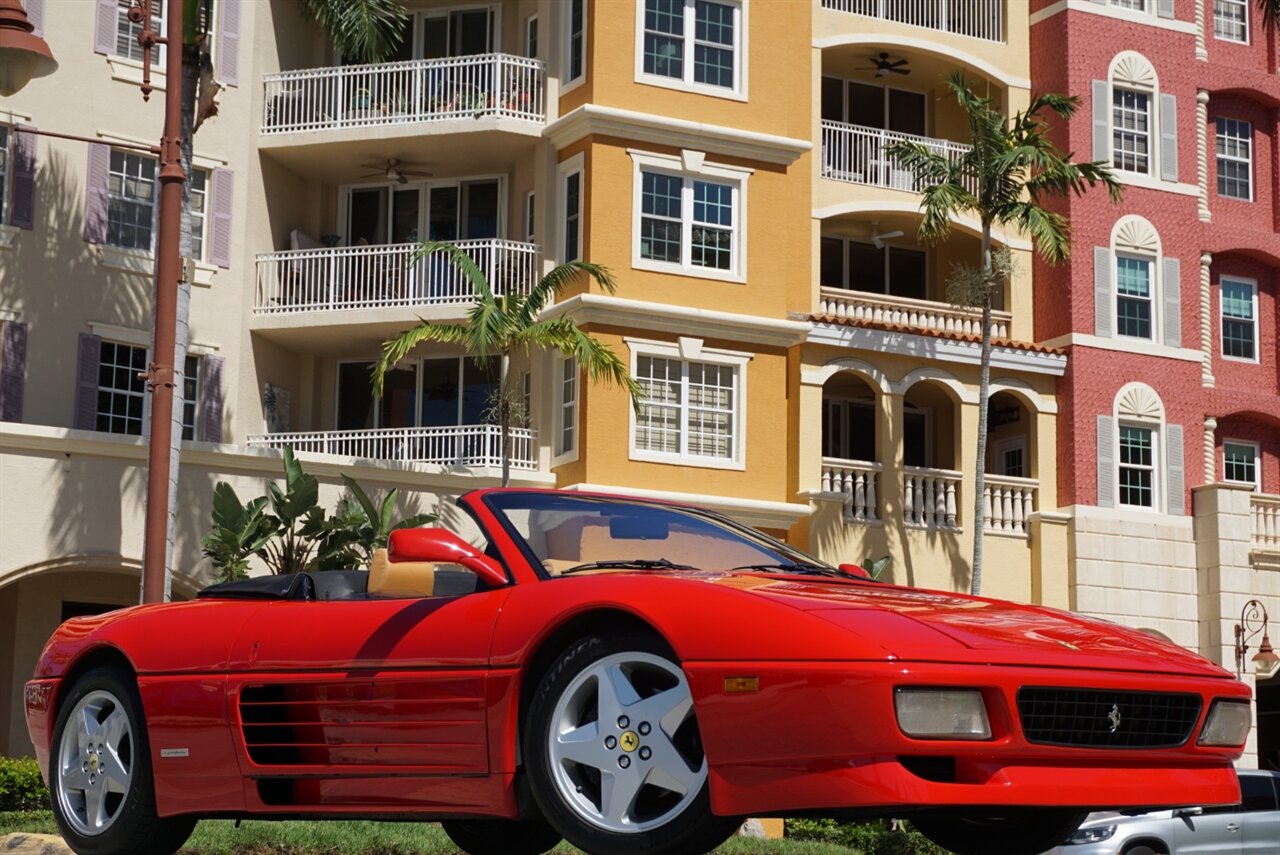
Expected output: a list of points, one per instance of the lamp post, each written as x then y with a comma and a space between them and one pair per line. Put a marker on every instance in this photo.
1253, 620
23, 55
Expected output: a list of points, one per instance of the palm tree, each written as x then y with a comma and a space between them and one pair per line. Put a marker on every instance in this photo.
500, 326
1011, 170
363, 30
1270, 10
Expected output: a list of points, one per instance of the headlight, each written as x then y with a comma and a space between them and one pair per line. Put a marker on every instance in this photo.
1097, 834
942, 713
1228, 724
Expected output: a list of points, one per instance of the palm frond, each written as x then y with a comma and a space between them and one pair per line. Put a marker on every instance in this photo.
1049, 230
364, 30
599, 361
1270, 10
460, 259
560, 277
399, 347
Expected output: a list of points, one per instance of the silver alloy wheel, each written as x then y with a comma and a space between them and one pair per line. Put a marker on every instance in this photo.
95, 763
623, 744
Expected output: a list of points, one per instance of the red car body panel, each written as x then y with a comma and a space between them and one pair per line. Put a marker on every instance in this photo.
413, 706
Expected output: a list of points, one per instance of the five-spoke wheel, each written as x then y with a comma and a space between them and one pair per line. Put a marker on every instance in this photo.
95, 763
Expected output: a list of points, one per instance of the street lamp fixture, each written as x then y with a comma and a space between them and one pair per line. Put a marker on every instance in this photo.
1253, 620
23, 55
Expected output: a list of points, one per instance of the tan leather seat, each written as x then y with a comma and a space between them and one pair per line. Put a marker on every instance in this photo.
389, 578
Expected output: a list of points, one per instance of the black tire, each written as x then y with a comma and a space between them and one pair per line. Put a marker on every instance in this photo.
134, 827
501, 836
676, 824
1144, 849
1020, 832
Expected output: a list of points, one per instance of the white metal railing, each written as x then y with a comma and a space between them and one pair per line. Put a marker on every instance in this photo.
464, 445
395, 93
979, 19
860, 155
908, 312
1265, 511
929, 497
857, 482
364, 277
1009, 503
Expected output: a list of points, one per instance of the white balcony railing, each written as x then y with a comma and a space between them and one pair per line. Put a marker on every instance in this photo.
979, 19
464, 445
397, 93
1265, 511
369, 277
856, 482
906, 312
859, 155
929, 497
1009, 503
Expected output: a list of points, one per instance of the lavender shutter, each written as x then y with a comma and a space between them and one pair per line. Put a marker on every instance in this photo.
95, 194
35, 14
1101, 120
86, 414
1106, 462
105, 23
13, 371
1164, 8
224, 186
22, 209
227, 67
212, 392
1177, 470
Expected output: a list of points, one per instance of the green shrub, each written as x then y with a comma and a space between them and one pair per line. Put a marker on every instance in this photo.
873, 837
20, 785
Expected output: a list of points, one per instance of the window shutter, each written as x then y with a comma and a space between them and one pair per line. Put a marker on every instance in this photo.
35, 14
1176, 479
212, 392
86, 415
227, 66
95, 194
1106, 462
22, 209
1101, 120
1102, 292
104, 27
1168, 138
220, 236
1172, 286
1164, 8
13, 371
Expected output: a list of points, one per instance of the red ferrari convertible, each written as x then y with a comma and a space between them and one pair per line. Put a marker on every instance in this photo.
631, 676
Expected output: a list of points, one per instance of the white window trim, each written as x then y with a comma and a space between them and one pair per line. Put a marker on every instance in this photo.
424, 188
530, 218
1248, 28
1014, 443
1218, 158
1153, 133
691, 164
566, 56
568, 167
1155, 289
1157, 464
844, 243
1137, 405
738, 92
569, 455
1222, 339
691, 350
1257, 462
135, 339
197, 420
530, 24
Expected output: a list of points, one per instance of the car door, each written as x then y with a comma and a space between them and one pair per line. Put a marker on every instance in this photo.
1261, 817
1211, 831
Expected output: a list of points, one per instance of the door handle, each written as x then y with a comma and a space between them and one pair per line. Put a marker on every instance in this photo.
1231, 826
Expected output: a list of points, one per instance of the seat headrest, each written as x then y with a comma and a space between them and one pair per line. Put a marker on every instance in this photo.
389, 578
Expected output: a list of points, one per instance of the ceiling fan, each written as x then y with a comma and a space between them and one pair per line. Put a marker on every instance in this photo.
395, 170
882, 65
878, 239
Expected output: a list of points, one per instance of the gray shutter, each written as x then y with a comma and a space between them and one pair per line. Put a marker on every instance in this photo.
1102, 292
35, 14
1101, 121
1177, 482
1106, 462
13, 371
222, 203
90, 357
95, 193
104, 27
227, 66
1172, 286
1168, 138
22, 209
212, 393
1164, 8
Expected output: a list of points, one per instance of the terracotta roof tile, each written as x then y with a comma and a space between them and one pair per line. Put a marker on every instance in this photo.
1010, 344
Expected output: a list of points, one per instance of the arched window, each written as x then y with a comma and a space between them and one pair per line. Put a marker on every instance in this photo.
1140, 455
1135, 127
1137, 291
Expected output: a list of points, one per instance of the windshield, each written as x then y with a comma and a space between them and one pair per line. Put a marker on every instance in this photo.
564, 534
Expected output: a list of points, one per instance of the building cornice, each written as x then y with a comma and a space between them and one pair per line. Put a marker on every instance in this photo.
681, 320
754, 512
937, 348
1119, 345
1131, 16
593, 119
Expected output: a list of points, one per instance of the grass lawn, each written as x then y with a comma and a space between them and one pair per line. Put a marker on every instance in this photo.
221, 837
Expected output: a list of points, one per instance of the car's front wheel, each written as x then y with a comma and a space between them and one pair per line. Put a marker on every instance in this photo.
1016, 832
614, 752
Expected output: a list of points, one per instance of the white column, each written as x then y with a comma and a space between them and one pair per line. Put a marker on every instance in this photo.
1210, 454
1206, 321
1202, 49
1202, 152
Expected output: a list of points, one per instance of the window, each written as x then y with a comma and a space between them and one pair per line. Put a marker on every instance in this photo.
879, 107
127, 33
1257, 793
687, 222
693, 42
1231, 20
191, 380
690, 409
1240, 463
121, 392
433, 392
199, 204
572, 250
1235, 159
860, 266
1137, 466
576, 43
526, 401
849, 429
6, 140
1133, 296
1136, 5
529, 222
1130, 130
1239, 319
567, 421
131, 200
531, 37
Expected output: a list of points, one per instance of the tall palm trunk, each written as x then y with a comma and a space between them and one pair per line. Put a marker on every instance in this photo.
504, 418
984, 390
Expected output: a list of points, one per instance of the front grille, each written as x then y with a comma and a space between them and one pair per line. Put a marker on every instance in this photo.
1100, 718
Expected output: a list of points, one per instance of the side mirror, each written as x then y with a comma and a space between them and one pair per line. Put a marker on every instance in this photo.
855, 570
1189, 811
443, 547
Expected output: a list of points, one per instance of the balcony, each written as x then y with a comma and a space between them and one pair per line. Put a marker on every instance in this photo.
1009, 503
377, 277
930, 498
418, 91
978, 19
450, 447
907, 312
1264, 511
856, 154
855, 481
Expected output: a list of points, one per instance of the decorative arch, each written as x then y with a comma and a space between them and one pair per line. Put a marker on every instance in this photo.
970, 225
1139, 402
874, 376
1022, 390
1136, 234
879, 41
1133, 71
958, 390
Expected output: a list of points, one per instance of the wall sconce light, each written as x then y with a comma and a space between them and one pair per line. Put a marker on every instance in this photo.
1253, 620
